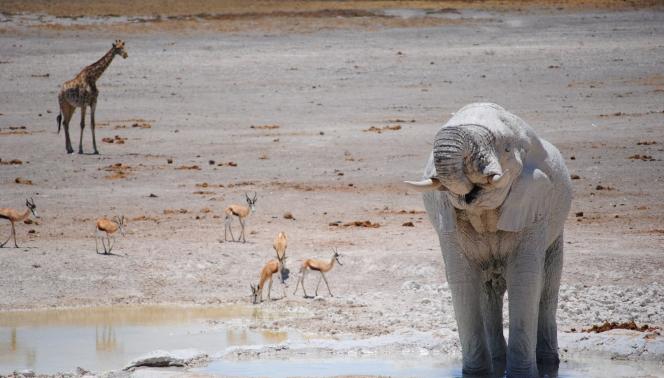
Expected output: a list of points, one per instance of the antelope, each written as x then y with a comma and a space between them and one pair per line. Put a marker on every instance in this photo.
320, 266
280, 244
14, 216
108, 226
241, 212
272, 267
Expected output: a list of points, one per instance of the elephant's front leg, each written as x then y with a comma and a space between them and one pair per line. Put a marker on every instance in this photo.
524, 276
465, 284
547, 331
492, 308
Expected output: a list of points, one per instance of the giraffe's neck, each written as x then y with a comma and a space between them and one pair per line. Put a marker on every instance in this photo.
96, 69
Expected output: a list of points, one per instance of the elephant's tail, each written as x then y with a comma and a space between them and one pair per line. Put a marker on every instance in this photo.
59, 122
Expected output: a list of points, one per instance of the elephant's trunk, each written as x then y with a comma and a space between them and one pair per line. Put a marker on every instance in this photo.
455, 148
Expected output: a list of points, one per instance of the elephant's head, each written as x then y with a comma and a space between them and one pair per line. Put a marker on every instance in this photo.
475, 165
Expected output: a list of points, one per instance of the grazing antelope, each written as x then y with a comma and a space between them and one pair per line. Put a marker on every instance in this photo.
108, 226
320, 266
81, 92
241, 212
14, 216
272, 267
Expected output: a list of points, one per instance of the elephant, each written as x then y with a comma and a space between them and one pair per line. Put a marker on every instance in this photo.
498, 196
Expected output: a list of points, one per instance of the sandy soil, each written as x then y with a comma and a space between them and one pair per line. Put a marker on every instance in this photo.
591, 82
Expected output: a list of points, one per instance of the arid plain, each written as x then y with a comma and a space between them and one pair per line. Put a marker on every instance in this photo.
323, 113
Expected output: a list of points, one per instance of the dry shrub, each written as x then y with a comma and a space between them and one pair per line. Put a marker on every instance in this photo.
22, 181
175, 211
189, 167
118, 171
11, 162
365, 224
380, 130
630, 325
265, 127
642, 157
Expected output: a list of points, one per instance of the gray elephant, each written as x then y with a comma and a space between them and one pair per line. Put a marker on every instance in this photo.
498, 197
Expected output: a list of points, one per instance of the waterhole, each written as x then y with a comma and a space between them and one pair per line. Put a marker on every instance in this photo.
108, 338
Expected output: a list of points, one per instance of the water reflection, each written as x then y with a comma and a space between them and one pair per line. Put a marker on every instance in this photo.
38, 340
105, 340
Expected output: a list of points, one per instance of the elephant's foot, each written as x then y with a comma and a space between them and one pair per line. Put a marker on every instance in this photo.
523, 370
548, 359
499, 364
80, 151
70, 150
469, 372
95, 152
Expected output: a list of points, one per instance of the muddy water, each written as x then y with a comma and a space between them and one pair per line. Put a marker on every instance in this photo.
107, 338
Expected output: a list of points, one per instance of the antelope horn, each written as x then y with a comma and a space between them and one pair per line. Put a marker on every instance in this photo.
426, 185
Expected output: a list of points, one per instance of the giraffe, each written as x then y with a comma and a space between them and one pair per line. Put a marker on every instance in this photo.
81, 92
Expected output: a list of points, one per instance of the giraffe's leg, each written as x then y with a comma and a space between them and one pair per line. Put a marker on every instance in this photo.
326, 284
93, 107
14, 233
80, 140
67, 114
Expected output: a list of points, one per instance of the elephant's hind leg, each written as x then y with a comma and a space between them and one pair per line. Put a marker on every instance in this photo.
547, 332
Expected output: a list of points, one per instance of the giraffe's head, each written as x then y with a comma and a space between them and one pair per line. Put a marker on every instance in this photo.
119, 48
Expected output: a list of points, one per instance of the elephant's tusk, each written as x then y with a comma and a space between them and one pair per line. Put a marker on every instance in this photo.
426, 185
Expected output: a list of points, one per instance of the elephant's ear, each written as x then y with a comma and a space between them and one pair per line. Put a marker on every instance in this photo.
527, 201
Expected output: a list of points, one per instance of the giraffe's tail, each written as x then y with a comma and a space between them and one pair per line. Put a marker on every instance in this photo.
59, 122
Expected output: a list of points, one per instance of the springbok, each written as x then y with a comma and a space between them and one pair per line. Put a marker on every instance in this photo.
108, 226
241, 212
14, 216
272, 267
280, 244
320, 266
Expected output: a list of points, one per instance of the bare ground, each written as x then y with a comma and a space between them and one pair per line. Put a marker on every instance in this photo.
588, 81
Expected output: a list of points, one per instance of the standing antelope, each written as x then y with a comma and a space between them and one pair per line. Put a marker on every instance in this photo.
108, 226
81, 92
241, 212
14, 216
320, 266
280, 244
272, 267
